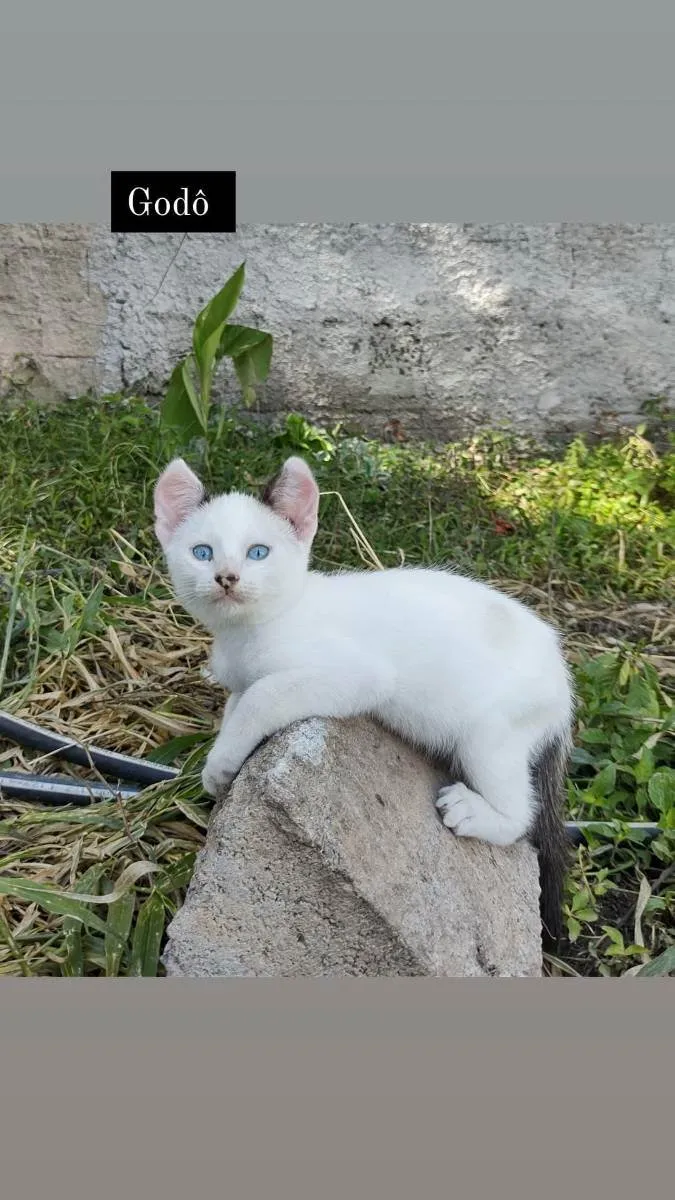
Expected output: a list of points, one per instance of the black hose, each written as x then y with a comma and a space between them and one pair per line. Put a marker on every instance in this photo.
576, 830
59, 789
120, 766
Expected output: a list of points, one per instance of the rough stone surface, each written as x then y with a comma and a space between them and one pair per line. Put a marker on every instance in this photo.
327, 858
52, 316
447, 328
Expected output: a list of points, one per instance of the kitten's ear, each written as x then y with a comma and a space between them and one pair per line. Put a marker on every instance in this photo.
178, 491
294, 495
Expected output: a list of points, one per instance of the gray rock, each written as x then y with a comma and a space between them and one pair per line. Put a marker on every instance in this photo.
327, 858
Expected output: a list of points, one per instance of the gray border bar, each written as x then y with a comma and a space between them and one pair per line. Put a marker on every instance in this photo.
375, 1087
378, 128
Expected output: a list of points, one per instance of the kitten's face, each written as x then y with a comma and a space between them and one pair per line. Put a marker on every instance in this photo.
235, 558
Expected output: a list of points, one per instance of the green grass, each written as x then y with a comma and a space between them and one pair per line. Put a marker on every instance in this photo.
605, 514
91, 643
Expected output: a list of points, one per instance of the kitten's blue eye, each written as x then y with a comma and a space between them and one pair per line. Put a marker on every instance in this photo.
203, 553
258, 552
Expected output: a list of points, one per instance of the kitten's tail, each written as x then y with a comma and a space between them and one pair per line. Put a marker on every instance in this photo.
549, 834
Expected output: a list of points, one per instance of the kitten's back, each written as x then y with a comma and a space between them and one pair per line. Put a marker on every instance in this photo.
424, 603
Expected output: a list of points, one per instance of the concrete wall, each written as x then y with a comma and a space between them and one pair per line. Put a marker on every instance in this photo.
446, 327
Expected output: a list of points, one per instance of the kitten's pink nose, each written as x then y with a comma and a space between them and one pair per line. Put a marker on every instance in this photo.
228, 580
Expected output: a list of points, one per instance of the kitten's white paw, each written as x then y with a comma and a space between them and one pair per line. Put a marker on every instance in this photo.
215, 778
468, 814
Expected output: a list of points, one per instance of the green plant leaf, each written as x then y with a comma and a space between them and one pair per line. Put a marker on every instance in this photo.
662, 849
261, 357
605, 781
245, 372
218, 309
582, 758
594, 737
645, 765
196, 401
573, 929
198, 814
581, 900
120, 917
253, 345
206, 356
615, 936
166, 753
586, 914
661, 788
177, 411
238, 339
126, 880
252, 365
246, 375
72, 929
7, 937
52, 900
73, 965
148, 937
642, 699
256, 360
663, 965
178, 875
92, 948
90, 611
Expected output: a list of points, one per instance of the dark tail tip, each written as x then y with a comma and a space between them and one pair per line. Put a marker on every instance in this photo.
550, 836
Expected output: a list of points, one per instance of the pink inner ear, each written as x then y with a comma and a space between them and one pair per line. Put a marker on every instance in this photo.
178, 491
296, 497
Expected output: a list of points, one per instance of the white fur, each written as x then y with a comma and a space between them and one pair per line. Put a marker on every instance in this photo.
448, 663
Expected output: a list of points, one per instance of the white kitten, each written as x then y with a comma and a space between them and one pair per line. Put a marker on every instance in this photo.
469, 675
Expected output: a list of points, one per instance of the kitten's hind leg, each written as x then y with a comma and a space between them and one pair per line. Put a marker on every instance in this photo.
499, 806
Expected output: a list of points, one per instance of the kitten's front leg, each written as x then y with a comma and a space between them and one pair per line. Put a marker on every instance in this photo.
231, 703
278, 700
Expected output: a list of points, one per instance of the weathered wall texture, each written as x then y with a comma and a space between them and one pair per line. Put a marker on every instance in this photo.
553, 328
52, 315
